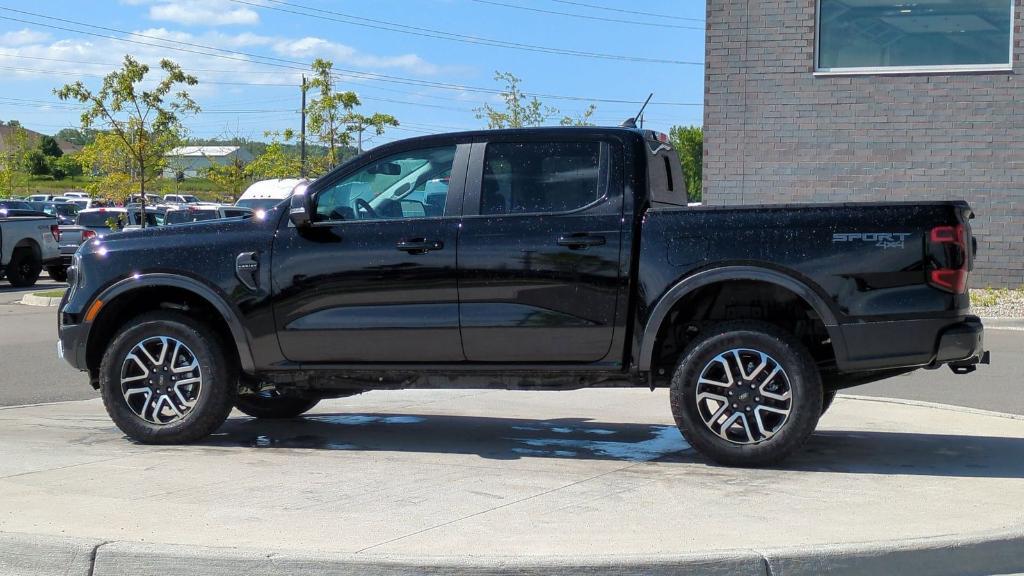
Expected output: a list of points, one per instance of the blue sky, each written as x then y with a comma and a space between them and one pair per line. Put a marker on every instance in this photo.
414, 77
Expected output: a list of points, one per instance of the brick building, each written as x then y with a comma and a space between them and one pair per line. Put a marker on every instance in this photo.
865, 100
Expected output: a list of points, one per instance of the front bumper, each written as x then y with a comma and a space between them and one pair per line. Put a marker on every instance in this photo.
71, 338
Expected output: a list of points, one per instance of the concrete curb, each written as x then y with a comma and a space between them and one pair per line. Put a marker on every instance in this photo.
38, 555
1004, 323
989, 553
33, 300
932, 405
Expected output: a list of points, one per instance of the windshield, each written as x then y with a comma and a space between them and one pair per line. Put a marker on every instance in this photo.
185, 216
97, 219
259, 203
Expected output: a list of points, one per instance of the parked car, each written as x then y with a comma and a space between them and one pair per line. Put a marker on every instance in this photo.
151, 199
28, 241
39, 198
180, 199
65, 212
199, 213
97, 219
266, 194
16, 205
554, 258
85, 203
76, 194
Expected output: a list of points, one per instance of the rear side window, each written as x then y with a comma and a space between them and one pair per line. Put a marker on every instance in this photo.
542, 177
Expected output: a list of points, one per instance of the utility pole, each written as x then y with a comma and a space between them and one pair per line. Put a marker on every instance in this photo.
302, 135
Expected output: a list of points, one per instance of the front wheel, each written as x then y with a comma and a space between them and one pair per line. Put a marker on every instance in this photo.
273, 405
746, 394
167, 379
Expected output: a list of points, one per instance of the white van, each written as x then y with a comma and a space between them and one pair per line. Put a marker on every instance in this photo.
266, 194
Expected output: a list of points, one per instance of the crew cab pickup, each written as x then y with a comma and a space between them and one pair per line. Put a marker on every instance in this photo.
549, 258
28, 241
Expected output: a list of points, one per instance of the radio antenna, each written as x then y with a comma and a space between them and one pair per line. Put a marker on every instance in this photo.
631, 123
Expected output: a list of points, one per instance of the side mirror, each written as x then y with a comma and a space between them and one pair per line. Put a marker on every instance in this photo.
301, 207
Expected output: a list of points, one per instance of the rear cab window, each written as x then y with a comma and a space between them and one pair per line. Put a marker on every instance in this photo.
543, 177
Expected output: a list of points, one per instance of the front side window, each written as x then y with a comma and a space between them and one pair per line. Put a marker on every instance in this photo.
540, 177
924, 34
411, 184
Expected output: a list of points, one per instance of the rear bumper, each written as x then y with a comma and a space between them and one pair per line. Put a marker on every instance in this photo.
912, 343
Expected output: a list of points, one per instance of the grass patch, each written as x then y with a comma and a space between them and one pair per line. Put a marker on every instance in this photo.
51, 293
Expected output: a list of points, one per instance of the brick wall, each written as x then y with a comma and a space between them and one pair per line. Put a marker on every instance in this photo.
774, 132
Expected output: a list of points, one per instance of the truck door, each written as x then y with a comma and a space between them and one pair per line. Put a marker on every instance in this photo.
539, 250
373, 279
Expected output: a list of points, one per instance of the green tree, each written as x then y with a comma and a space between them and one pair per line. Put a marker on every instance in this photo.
36, 163
14, 160
357, 123
230, 178
76, 136
522, 111
689, 144
276, 161
326, 113
144, 118
107, 157
48, 146
64, 166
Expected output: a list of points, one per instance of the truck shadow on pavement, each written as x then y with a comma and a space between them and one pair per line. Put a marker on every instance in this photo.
831, 451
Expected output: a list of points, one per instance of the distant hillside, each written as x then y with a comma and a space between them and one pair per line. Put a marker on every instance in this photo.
33, 137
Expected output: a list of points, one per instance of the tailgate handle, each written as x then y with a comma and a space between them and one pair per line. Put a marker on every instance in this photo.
580, 241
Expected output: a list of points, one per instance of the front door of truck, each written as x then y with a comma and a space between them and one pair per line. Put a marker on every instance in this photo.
539, 250
373, 278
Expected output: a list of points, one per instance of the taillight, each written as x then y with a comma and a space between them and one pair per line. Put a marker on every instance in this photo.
55, 230
949, 258
86, 234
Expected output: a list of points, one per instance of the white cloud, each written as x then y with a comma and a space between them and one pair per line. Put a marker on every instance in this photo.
203, 13
342, 55
22, 37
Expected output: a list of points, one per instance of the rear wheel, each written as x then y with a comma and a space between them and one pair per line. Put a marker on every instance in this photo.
167, 379
24, 268
58, 273
272, 404
746, 394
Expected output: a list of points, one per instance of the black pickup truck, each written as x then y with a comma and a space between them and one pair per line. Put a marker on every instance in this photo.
550, 258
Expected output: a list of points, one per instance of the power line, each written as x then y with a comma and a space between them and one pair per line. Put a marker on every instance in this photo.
441, 35
621, 11
298, 65
585, 17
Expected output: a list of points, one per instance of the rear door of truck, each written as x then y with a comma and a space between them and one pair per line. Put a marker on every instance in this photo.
539, 250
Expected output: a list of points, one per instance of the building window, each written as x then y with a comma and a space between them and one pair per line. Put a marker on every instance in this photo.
914, 35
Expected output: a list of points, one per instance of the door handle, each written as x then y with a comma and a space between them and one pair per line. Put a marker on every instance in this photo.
580, 241
419, 245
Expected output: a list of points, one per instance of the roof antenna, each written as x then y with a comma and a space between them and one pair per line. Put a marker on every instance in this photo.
631, 123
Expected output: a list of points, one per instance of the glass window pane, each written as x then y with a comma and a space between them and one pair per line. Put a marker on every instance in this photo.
880, 33
411, 184
538, 177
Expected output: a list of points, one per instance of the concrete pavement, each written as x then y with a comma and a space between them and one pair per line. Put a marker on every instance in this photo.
515, 482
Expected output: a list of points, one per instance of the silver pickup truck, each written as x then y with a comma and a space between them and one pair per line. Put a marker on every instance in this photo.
28, 242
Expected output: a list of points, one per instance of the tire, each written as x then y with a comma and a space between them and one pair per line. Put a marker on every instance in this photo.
58, 273
826, 400
24, 268
273, 405
764, 430
181, 411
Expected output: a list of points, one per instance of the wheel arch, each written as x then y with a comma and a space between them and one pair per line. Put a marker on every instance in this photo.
32, 245
711, 277
118, 297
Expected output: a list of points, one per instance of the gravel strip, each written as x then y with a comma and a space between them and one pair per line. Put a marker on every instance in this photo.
1009, 304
